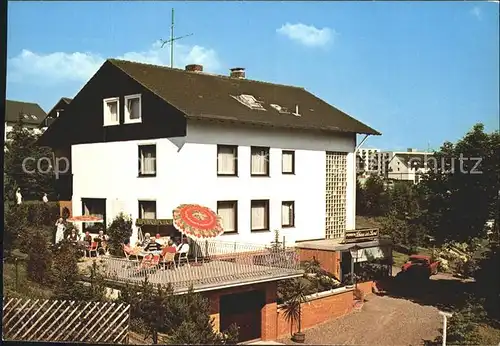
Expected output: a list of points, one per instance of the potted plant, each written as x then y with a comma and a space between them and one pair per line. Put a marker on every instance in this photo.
297, 294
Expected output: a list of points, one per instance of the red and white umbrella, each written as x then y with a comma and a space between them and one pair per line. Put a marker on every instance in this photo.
197, 221
85, 218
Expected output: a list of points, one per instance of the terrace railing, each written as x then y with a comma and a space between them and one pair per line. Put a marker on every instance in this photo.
218, 263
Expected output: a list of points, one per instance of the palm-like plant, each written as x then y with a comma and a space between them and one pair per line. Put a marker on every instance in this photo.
296, 296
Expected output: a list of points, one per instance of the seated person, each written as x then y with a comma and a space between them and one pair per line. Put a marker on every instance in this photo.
170, 248
146, 241
152, 246
129, 249
87, 239
177, 243
184, 247
73, 237
102, 239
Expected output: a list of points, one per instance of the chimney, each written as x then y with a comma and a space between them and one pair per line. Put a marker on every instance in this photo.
237, 72
194, 68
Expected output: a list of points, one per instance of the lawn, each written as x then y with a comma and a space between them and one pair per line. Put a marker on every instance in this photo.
26, 287
400, 258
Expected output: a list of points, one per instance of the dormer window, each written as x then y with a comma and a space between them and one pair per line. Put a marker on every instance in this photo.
249, 101
133, 109
111, 111
280, 109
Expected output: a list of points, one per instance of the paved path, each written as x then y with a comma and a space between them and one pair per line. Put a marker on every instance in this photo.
383, 321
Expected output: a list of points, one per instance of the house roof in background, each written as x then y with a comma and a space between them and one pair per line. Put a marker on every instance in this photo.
28, 112
51, 117
213, 97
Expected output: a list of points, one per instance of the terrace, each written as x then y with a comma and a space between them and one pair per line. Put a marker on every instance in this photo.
212, 265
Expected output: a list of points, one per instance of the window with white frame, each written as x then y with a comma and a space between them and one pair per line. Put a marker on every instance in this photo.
260, 215
147, 210
288, 162
93, 207
133, 109
288, 214
147, 160
111, 111
259, 161
228, 212
227, 160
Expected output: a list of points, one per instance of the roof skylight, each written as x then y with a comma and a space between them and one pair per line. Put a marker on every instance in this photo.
249, 101
33, 116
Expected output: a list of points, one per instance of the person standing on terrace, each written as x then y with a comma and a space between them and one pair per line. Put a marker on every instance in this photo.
60, 228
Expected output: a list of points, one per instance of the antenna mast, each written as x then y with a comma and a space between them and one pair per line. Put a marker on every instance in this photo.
171, 40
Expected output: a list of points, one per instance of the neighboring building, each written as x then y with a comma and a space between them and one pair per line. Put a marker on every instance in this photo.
408, 165
55, 112
143, 139
31, 115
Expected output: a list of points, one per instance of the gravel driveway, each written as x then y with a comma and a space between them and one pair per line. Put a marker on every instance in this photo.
383, 321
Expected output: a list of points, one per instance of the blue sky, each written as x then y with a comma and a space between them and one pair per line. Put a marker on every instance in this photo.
420, 73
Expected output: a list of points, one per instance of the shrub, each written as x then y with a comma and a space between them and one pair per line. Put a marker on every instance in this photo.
39, 258
184, 318
65, 271
118, 232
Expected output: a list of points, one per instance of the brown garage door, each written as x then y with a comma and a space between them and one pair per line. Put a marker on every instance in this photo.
244, 309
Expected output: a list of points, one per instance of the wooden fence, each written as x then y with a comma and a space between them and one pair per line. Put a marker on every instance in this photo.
65, 321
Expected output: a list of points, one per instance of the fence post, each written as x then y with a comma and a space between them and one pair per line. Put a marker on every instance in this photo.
17, 274
284, 247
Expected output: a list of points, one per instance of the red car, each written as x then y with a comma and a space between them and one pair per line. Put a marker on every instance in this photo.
421, 262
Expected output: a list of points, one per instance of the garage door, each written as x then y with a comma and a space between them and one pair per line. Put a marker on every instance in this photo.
244, 309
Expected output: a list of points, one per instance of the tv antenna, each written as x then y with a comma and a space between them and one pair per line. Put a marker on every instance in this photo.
172, 40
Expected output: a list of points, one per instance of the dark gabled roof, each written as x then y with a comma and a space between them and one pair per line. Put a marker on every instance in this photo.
29, 113
51, 117
206, 96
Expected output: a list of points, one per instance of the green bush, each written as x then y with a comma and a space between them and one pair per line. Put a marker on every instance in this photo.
65, 271
118, 232
21, 221
39, 259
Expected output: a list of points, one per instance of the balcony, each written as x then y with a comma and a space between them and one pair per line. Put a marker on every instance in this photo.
212, 265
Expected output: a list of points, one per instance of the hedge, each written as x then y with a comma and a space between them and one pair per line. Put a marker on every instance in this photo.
37, 213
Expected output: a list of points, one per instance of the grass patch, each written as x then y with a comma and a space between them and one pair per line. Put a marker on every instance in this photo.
399, 258
26, 287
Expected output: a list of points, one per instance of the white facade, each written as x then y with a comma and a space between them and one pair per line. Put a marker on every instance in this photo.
186, 172
408, 165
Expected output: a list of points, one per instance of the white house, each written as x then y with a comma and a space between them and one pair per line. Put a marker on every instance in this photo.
409, 165
143, 139
30, 114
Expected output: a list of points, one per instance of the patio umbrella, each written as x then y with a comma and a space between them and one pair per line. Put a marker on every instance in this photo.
197, 222
84, 219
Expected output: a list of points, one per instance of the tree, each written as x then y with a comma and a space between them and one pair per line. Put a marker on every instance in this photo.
184, 318
461, 192
374, 199
488, 281
65, 272
21, 145
39, 258
118, 232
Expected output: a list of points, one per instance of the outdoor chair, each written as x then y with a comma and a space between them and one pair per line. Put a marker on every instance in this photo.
149, 262
169, 260
128, 254
92, 248
183, 254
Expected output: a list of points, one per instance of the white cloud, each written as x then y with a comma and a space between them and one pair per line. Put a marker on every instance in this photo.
307, 35
60, 67
476, 12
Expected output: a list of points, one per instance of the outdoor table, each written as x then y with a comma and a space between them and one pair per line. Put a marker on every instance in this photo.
145, 253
